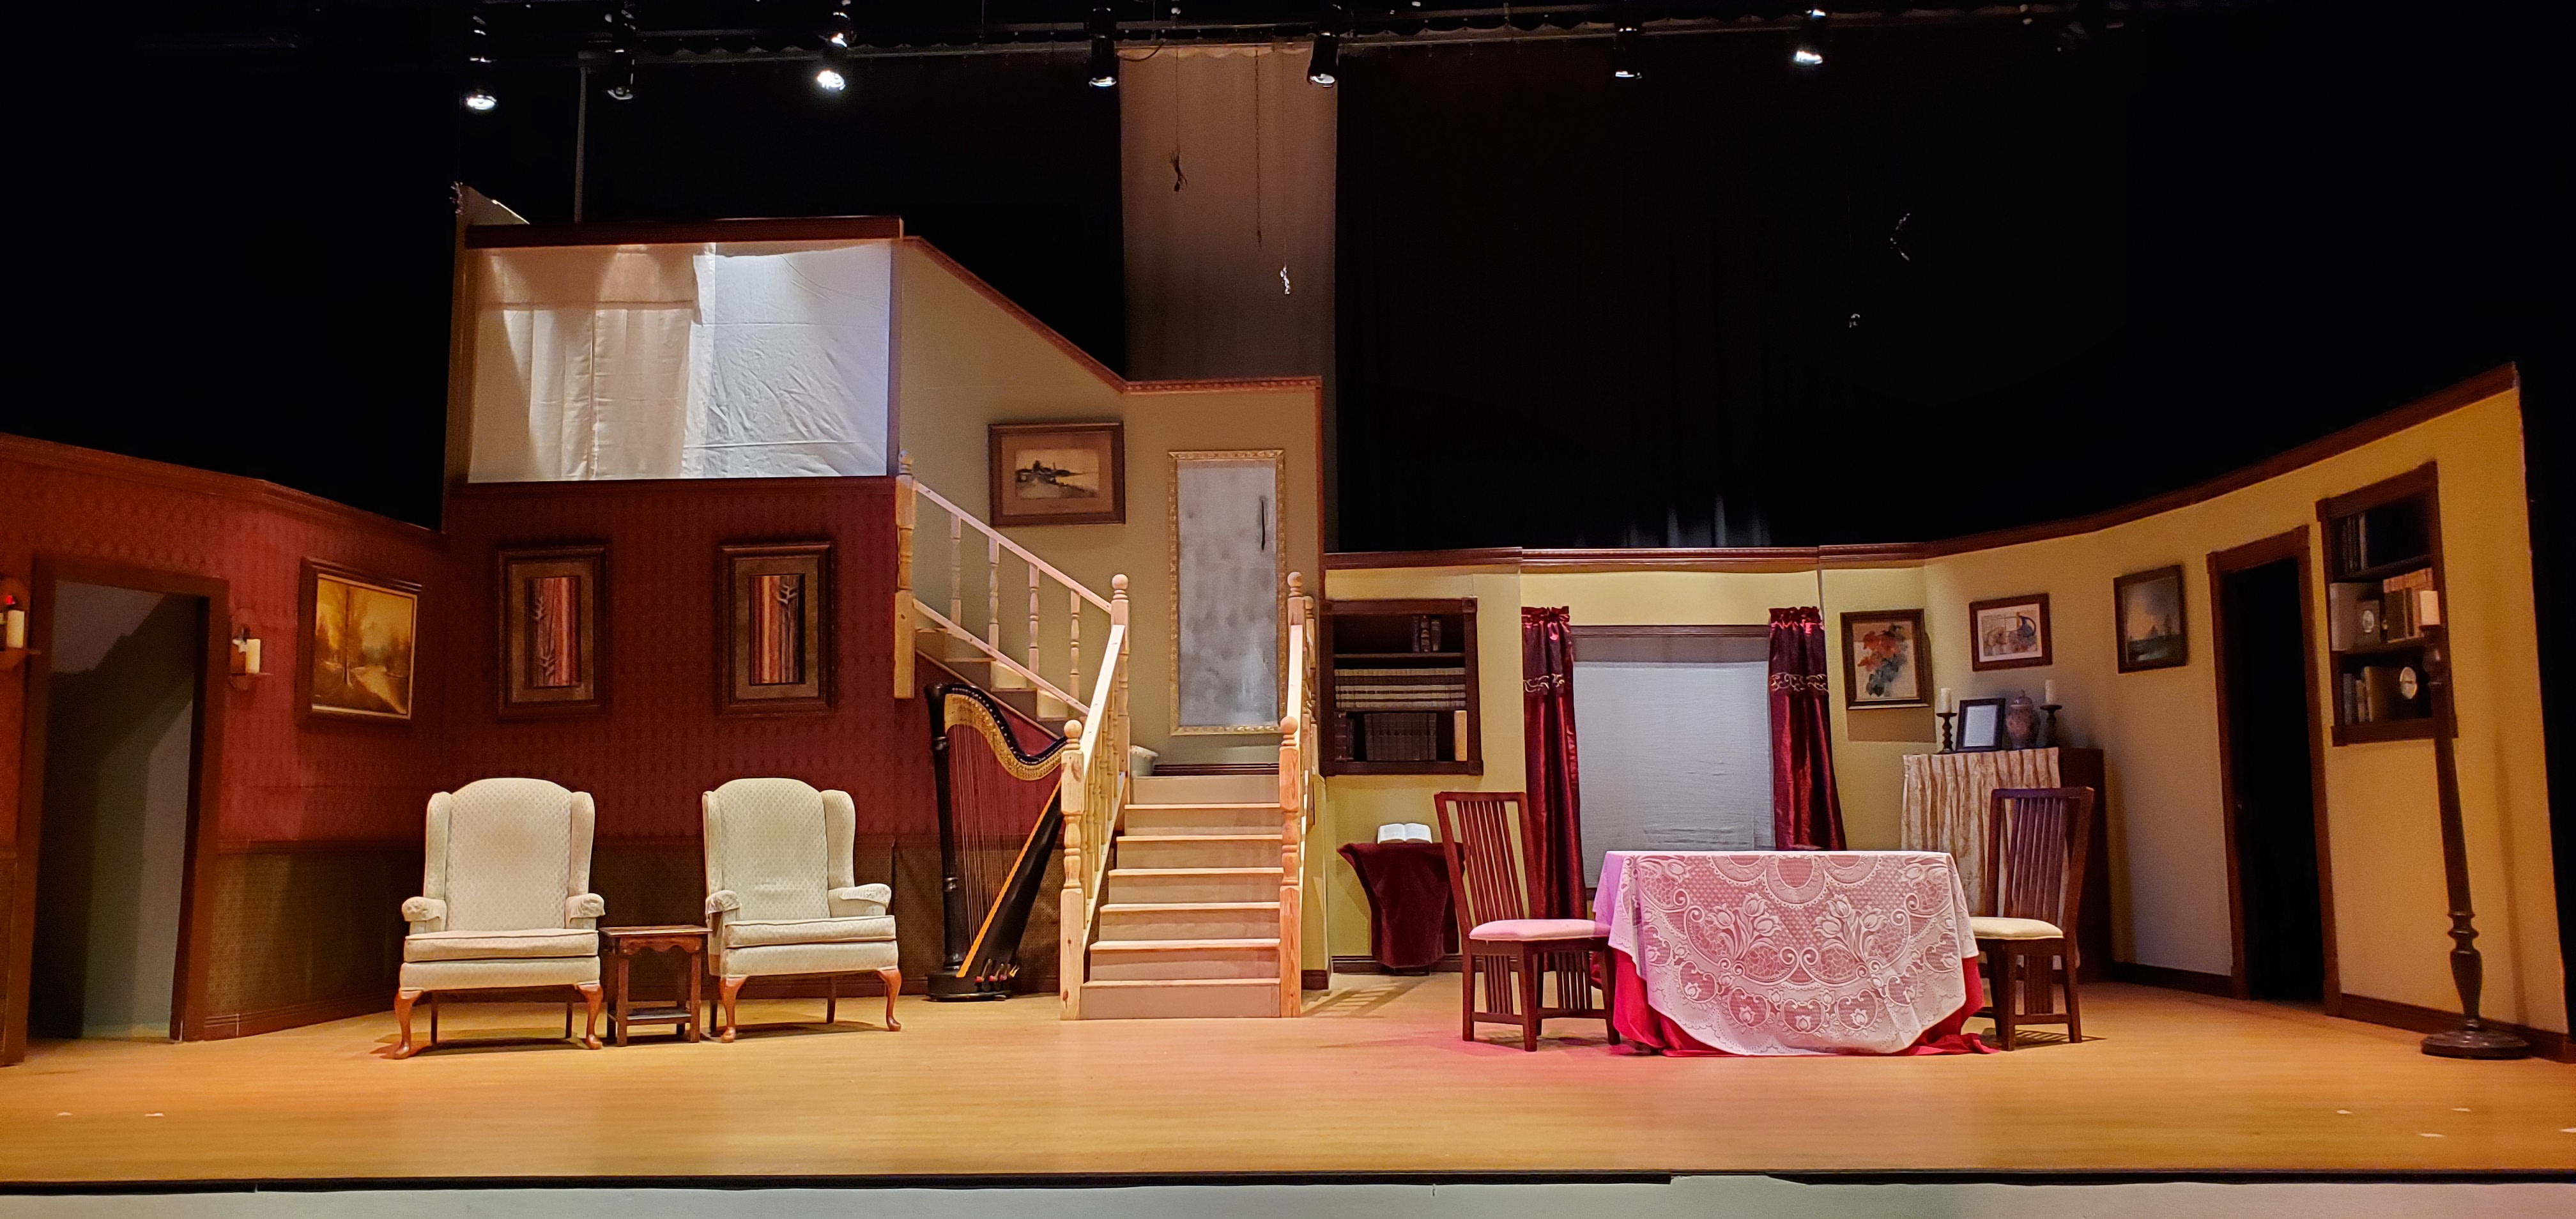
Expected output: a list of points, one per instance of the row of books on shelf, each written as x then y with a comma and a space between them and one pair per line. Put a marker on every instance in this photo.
1394, 736
1400, 689
2394, 610
2373, 693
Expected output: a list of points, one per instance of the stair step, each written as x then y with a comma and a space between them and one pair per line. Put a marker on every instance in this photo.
1181, 999
1130, 886
1221, 819
1188, 920
1173, 960
1152, 851
1182, 789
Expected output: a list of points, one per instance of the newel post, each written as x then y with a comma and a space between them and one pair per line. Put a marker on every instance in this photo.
1070, 781
1292, 827
904, 509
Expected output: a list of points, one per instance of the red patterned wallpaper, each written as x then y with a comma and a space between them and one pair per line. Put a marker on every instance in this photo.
282, 780
660, 742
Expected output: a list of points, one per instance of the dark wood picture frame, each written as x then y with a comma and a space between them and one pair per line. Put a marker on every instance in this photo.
1852, 701
1004, 439
2182, 619
308, 585
2000, 741
805, 661
1976, 638
1328, 656
522, 690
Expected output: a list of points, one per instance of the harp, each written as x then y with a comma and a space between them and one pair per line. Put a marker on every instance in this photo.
1000, 821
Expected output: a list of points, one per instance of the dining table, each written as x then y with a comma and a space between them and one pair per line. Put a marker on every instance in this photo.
1790, 952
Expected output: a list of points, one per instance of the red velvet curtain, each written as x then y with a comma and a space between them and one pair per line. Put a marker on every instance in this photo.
1547, 729
1805, 812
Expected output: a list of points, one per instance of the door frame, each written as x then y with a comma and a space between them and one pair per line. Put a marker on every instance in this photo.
2291, 546
205, 785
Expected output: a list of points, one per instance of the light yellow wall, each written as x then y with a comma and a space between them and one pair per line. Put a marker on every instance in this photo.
965, 362
2159, 729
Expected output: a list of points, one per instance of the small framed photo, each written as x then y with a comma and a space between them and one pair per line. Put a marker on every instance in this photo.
1981, 725
2149, 606
778, 625
1059, 473
551, 645
2011, 632
1885, 660
360, 636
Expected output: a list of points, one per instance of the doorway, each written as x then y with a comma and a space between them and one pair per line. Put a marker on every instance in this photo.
2279, 893
124, 694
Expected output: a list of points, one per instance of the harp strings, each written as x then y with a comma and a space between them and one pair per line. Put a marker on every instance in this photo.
998, 790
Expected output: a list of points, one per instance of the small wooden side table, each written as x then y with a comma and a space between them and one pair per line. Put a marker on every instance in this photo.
625, 942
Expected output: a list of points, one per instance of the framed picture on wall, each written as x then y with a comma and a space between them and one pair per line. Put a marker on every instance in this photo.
776, 611
360, 635
1886, 662
1058, 473
551, 647
2148, 605
2010, 632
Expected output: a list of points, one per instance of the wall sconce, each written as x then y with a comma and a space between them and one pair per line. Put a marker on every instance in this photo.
14, 599
246, 660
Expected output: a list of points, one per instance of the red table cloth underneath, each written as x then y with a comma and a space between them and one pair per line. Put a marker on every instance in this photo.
1408, 890
1647, 1028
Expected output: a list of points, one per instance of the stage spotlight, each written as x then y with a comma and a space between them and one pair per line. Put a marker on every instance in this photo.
1627, 46
479, 96
1324, 66
1811, 41
833, 74
1104, 48
621, 53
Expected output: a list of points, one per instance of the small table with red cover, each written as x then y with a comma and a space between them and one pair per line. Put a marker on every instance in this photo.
1790, 952
1410, 921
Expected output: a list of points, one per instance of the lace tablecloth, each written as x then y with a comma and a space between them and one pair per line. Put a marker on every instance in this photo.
1794, 952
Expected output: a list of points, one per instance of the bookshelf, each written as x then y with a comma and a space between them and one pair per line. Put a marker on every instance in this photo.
2385, 607
1399, 687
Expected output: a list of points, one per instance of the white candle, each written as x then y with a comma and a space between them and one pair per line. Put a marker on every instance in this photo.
1945, 698
16, 630
250, 656
2048, 694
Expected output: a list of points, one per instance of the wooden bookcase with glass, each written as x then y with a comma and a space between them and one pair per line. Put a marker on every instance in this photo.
2384, 607
1399, 687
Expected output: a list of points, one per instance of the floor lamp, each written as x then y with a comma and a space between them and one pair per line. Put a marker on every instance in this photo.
2472, 1039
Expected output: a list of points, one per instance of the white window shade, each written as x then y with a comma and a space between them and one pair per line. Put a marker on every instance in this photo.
1673, 745
682, 361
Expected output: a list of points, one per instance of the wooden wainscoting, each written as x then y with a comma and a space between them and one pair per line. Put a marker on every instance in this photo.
1368, 965
305, 932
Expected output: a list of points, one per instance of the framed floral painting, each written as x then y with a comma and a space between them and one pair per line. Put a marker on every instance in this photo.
1886, 662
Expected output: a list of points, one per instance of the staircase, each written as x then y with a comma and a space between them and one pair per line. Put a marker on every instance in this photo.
1183, 895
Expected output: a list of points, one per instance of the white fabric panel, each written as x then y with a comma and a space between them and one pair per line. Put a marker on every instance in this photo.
788, 363
582, 363
1673, 756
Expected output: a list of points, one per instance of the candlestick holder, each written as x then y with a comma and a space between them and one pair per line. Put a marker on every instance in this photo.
1946, 717
2048, 728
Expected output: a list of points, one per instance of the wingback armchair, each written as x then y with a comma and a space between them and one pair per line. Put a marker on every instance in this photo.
505, 899
780, 900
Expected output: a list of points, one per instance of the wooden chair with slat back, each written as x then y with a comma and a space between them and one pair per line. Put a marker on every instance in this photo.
1492, 874
2035, 843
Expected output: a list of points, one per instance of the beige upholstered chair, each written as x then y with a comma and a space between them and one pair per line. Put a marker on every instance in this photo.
505, 899
779, 895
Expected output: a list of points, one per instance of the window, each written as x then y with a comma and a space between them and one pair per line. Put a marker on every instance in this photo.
1673, 739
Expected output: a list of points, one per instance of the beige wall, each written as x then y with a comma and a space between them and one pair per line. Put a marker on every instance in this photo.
965, 361
2158, 729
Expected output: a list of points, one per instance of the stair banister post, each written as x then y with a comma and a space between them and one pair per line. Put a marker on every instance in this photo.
1073, 639
993, 594
1071, 907
1291, 866
1033, 624
956, 569
905, 509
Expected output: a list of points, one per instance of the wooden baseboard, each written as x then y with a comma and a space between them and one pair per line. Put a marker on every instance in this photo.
2174, 979
1175, 770
1368, 965
1315, 979
296, 1015
2408, 1016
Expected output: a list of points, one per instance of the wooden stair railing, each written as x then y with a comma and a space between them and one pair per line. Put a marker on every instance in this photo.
1095, 782
1298, 762
913, 615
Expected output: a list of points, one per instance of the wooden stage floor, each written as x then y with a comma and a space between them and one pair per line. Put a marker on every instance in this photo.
1373, 1080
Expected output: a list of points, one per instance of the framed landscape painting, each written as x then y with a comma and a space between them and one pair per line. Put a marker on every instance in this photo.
2149, 607
1885, 660
2010, 632
360, 633
1059, 473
